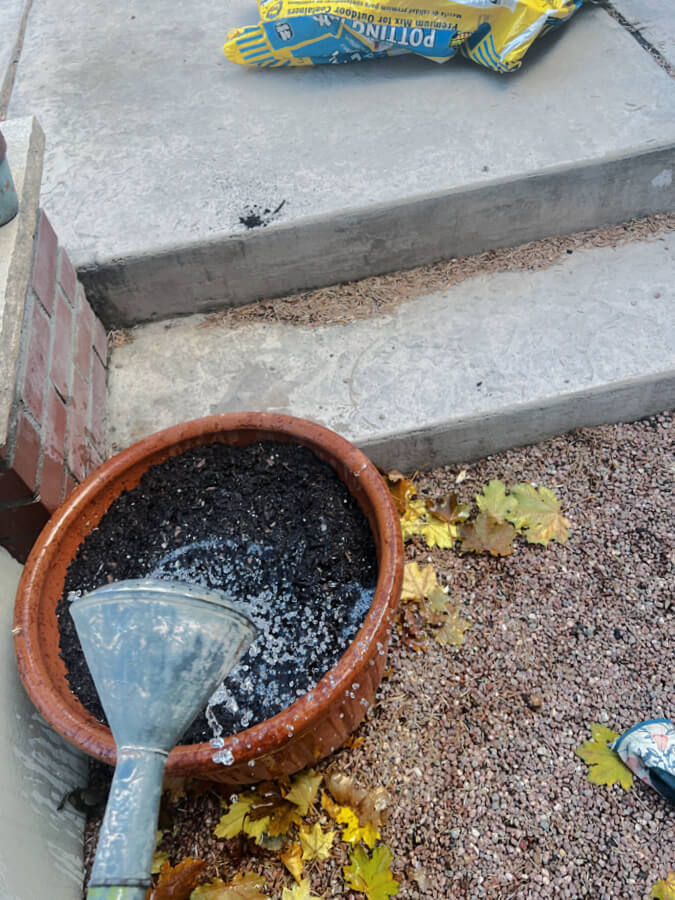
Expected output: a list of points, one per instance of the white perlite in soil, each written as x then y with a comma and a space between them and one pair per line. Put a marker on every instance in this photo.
488, 797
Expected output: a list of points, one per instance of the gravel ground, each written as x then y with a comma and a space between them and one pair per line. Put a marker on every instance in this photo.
488, 798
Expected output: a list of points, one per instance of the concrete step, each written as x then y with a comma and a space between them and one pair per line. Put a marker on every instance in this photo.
158, 148
498, 360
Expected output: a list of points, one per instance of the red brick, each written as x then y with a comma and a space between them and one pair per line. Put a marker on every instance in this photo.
83, 345
84, 310
37, 356
100, 341
44, 266
20, 520
97, 404
26, 452
76, 455
67, 277
54, 427
62, 354
51, 483
69, 486
13, 488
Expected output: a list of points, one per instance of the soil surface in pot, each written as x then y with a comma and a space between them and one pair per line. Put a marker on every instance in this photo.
270, 524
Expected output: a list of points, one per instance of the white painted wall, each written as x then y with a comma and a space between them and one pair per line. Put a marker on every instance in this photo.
40, 847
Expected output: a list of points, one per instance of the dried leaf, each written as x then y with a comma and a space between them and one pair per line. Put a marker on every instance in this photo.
269, 804
486, 534
538, 513
452, 629
300, 891
417, 583
159, 857
175, 786
450, 509
304, 790
664, 889
292, 859
401, 489
256, 828
435, 606
316, 843
247, 886
418, 519
371, 874
177, 882
411, 628
494, 502
332, 808
232, 823
370, 805
606, 766
352, 830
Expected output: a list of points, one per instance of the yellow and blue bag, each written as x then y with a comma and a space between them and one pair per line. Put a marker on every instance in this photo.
493, 33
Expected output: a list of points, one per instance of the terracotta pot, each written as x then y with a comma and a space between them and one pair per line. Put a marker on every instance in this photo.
312, 727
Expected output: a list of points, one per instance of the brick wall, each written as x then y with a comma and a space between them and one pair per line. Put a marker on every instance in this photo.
56, 430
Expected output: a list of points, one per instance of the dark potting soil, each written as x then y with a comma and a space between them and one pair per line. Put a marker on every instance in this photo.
270, 524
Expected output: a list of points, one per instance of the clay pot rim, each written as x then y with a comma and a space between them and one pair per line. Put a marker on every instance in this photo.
96, 739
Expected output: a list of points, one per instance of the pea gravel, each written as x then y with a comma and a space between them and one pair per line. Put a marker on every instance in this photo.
476, 745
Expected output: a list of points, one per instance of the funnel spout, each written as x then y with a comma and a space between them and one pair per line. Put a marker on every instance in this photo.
127, 836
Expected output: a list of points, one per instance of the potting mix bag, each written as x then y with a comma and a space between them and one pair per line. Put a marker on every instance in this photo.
494, 33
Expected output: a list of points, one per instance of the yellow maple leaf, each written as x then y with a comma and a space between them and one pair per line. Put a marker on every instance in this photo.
664, 889
401, 488
606, 766
316, 843
452, 628
159, 857
417, 583
292, 859
538, 514
353, 831
371, 874
256, 828
247, 886
332, 808
232, 822
419, 519
304, 790
300, 891
486, 534
493, 501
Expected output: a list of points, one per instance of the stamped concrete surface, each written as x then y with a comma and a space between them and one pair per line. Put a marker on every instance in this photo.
40, 845
158, 147
655, 20
493, 362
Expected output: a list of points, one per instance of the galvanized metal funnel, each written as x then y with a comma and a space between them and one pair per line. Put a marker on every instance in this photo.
156, 650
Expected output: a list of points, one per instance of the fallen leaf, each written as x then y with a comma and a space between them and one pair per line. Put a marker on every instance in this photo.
401, 489
316, 843
370, 805
606, 766
371, 874
247, 886
411, 628
256, 828
292, 859
418, 519
177, 882
664, 889
232, 822
300, 891
353, 742
352, 830
451, 629
538, 514
450, 509
417, 583
159, 857
486, 534
175, 787
304, 790
494, 502
269, 804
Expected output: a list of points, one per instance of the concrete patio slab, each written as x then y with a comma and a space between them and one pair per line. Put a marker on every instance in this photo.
654, 19
11, 19
494, 362
158, 147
